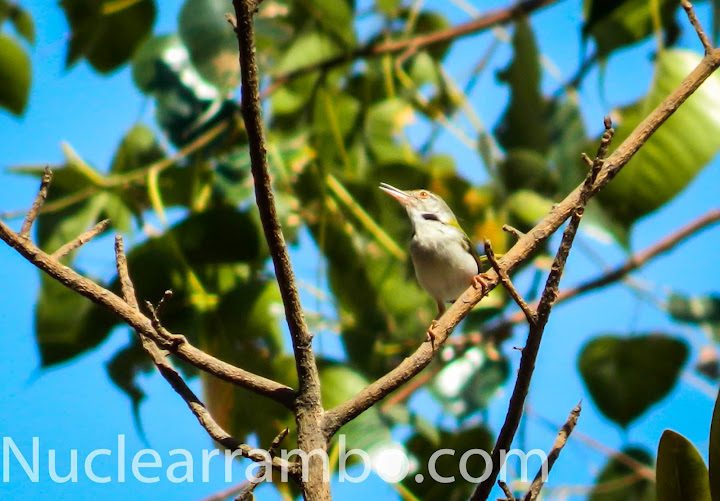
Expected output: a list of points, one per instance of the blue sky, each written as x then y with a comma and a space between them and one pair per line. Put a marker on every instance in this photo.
75, 406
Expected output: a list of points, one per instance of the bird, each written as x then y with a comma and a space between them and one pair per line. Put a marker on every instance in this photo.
445, 260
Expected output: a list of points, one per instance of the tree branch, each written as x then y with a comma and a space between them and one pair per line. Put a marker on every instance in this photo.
105, 298
482, 23
309, 411
39, 200
690, 11
523, 248
82, 239
557, 447
537, 328
176, 381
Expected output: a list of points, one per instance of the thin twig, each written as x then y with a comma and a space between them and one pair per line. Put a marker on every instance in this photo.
96, 230
558, 445
246, 493
690, 11
176, 381
509, 496
39, 200
513, 231
530, 315
537, 329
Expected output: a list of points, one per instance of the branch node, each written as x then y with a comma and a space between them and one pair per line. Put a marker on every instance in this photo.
507, 283
506, 490
173, 340
37, 203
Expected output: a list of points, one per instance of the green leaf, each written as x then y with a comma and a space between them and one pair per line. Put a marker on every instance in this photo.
524, 122
107, 33
675, 153
211, 41
245, 331
617, 23
694, 309
368, 431
66, 323
458, 441
123, 369
15, 75
23, 23
625, 376
617, 473
714, 452
527, 169
681, 471
384, 120
139, 148
528, 207
308, 48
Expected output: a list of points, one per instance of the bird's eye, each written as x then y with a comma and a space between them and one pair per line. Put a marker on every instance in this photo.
429, 216
423, 194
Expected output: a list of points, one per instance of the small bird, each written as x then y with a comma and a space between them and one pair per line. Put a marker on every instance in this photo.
445, 260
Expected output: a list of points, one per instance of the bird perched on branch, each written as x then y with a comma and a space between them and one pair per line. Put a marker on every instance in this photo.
445, 260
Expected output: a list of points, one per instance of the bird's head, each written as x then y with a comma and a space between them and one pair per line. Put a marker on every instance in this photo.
422, 205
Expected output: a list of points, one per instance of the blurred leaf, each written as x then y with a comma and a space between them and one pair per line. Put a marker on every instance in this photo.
681, 471
567, 137
15, 75
245, 331
694, 309
308, 48
107, 33
383, 122
368, 431
625, 376
617, 23
676, 153
528, 207
524, 122
123, 369
211, 41
66, 323
617, 473
527, 169
468, 383
23, 23
138, 148
714, 452
448, 465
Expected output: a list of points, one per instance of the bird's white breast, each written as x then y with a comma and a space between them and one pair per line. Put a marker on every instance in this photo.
443, 266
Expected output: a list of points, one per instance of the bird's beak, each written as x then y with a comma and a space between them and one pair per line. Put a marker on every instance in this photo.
397, 194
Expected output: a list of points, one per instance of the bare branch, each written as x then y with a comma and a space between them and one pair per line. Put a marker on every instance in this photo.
537, 329
246, 493
105, 298
96, 230
560, 442
509, 496
39, 200
690, 11
530, 315
176, 381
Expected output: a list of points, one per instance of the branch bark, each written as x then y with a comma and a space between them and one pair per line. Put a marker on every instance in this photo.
309, 412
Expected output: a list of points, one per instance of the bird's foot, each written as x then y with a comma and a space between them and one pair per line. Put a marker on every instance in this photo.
431, 334
480, 282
